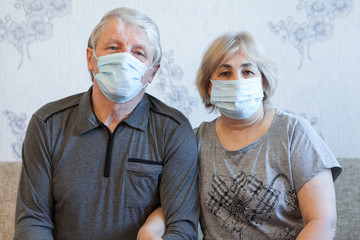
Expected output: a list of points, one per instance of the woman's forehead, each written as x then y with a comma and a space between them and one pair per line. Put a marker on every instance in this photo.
237, 56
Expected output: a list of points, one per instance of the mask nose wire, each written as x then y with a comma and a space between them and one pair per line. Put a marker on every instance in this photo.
145, 70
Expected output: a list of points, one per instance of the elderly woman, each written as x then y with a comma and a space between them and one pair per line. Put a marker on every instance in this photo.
264, 173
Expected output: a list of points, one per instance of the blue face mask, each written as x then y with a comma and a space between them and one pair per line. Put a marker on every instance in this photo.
238, 99
120, 75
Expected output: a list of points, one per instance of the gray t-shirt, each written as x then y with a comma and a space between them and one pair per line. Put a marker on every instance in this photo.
251, 193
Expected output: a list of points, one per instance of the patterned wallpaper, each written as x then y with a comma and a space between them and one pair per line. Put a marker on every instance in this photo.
171, 86
318, 25
313, 43
36, 25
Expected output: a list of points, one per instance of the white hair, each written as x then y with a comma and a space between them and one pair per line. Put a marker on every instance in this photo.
134, 18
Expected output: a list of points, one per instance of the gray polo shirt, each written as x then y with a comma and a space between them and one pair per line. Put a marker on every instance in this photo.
80, 181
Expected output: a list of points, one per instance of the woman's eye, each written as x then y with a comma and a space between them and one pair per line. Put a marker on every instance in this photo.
225, 74
247, 73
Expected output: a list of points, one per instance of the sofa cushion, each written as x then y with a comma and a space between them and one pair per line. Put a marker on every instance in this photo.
347, 188
9, 179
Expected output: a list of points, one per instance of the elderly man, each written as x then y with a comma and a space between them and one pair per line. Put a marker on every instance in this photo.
96, 164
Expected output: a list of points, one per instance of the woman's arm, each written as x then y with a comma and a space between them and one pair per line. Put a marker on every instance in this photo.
154, 226
318, 207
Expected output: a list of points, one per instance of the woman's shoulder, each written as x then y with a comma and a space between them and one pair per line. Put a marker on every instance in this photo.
204, 128
290, 119
288, 116
295, 121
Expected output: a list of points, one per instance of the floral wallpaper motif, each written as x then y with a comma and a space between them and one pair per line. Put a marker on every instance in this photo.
17, 124
37, 25
304, 26
318, 26
170, 85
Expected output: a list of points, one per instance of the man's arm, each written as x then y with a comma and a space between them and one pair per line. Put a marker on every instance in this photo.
178, 185
33, 219
318, 207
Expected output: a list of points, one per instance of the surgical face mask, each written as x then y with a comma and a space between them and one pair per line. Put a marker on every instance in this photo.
237, 99
120, 75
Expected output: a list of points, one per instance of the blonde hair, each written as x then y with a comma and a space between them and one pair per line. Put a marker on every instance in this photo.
223, 47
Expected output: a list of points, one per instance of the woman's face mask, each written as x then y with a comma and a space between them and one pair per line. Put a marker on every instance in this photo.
238, 99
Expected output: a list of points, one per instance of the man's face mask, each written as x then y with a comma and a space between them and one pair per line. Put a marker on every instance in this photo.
120, 75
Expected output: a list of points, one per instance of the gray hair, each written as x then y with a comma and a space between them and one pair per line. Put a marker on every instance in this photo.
134, 18
223, 47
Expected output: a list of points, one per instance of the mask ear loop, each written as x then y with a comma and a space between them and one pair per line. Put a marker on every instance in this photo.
150, 67
146, 84
95, 55
92, 72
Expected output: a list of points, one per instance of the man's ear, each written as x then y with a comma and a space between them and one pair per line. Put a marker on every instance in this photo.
89, 55
154, 71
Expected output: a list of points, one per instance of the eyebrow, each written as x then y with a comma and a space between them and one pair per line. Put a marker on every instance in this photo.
117, 41
225, 65
112, 40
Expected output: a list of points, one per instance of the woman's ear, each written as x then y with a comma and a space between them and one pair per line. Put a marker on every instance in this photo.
264, 82
209, 88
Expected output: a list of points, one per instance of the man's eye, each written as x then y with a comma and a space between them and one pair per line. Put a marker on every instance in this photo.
114, 48
138, 53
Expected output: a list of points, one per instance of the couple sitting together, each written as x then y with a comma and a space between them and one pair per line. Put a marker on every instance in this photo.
117, 163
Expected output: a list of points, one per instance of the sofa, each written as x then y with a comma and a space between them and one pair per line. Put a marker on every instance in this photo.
347, 189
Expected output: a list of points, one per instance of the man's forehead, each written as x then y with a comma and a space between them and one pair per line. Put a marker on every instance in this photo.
117, 29
117, 26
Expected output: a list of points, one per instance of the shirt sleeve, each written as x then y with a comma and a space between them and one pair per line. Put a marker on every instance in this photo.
33, 219
178, 187
310, 155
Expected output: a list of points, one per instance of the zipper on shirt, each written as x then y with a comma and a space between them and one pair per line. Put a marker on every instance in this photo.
108, 155
109, 148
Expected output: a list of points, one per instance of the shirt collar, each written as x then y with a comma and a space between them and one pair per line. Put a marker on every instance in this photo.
139, 117
86, 119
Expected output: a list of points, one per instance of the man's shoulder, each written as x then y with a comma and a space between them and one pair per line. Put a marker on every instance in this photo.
160, 107
58, 106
